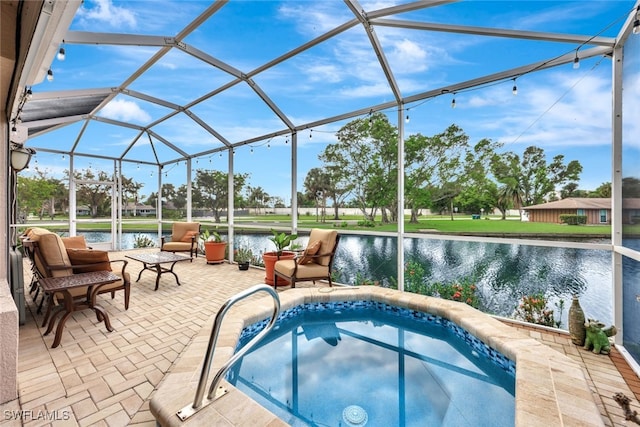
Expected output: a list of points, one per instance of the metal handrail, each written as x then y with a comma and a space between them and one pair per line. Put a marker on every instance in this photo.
216, 391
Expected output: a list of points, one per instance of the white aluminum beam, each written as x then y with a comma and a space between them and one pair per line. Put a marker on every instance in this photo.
495, 32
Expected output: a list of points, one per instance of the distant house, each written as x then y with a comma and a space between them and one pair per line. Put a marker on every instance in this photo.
597, 210
138, 209
83, 210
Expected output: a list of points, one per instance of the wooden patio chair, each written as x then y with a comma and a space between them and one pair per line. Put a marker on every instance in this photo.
184, 238
315, 263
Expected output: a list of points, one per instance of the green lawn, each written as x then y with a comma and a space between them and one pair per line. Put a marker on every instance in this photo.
443, 224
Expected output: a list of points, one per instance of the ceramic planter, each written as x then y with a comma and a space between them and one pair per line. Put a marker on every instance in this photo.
214, 252
270, 259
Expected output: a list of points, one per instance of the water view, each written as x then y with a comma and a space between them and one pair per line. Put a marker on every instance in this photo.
503, 273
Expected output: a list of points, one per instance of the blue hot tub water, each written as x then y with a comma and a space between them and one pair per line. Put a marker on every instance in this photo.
366, 363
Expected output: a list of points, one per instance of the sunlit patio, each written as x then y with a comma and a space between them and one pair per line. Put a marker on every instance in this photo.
99, 378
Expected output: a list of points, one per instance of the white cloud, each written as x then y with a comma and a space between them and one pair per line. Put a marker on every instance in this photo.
323, 73
121, 109
409, 56
106, 12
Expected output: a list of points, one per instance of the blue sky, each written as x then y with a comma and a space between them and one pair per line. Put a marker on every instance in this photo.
562, 110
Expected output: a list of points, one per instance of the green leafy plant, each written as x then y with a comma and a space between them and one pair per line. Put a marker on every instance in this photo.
361, 281
463, 291
243, 255
211, 236
281, 240
533, 309
415, 282
142, 241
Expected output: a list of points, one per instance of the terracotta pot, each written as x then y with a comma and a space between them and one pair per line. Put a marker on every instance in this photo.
270, 259
214, 252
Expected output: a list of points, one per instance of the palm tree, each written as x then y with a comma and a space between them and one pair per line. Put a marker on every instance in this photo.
510, 194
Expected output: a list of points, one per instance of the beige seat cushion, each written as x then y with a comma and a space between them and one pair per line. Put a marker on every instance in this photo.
176, 246
305, 271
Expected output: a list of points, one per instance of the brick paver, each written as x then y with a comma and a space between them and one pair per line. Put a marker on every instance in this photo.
105, 378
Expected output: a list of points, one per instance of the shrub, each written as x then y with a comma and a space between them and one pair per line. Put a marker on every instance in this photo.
533, 309
571, 219
366, 223
463, 291
415, 282
143, 241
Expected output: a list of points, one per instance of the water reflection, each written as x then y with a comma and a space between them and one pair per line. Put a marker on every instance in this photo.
503, 273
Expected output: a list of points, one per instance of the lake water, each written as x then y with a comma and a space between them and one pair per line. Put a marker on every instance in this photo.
503, 273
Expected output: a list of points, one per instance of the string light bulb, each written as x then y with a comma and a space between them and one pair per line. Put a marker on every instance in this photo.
406, 119
636, 26
514, 91
49, 75
576, 62
61, 54
310, 134
453, 102
29, 93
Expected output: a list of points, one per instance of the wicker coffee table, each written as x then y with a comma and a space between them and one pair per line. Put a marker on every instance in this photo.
153, 261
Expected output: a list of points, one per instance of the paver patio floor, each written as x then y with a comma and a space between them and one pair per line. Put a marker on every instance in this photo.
100, 378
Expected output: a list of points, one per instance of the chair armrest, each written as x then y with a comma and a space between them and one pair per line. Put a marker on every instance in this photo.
124, 265
162, 239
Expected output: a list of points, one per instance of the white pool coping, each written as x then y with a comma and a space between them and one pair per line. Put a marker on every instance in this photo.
551, 389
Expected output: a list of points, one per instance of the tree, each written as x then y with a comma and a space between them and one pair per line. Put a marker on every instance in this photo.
130, 190
34, 194
604, 190
539, 180
630, 187
257, 197
479, 193
316, 183
440, 167
210, 190
95, 192
531, 181
364, 153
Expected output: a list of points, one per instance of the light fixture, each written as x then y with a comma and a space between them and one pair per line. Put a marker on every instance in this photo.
310, 135
50, 75
453, 102
514, 91
14, 130
576, 61
29, 93
406, 119
61, 54
636, 26
20, 157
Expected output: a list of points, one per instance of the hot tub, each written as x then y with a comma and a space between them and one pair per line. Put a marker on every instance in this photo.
550, 388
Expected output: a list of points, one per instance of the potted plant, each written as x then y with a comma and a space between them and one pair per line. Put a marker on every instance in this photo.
281, 241
243, 257
214, 246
